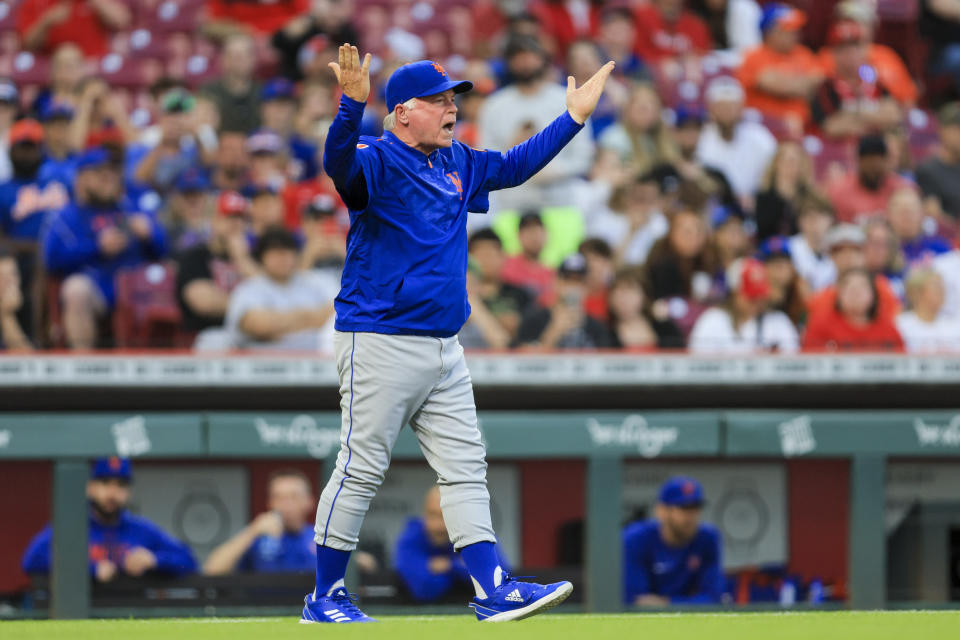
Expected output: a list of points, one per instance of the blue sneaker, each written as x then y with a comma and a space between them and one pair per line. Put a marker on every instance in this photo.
515, 600
337, 607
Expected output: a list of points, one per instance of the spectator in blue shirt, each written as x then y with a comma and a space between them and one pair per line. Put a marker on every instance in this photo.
278, 540
59, 161
674, 558
278, 113
424, 556
909, 222
91, 239
25, 200
119, 542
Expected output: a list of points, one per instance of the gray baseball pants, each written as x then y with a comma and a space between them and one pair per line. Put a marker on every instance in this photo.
387, 381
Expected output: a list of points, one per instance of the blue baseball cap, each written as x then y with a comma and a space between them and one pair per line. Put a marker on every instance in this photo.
56, 109
421, 79
783, 16
681, 491
92, 159
721, 215
774, 247
191, 180
687, 114
112, 467
277, 89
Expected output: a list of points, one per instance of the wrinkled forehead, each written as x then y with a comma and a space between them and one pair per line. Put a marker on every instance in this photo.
444, 94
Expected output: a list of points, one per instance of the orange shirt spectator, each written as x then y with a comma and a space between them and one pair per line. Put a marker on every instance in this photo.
855, 322
863, 194
666, 30
564, 25
260, 15
44, 25
781, 75
891, 71
888, 304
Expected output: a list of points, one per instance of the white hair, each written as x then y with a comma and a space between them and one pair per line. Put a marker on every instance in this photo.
391, 120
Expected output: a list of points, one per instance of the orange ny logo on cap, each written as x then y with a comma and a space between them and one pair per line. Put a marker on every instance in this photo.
440, 69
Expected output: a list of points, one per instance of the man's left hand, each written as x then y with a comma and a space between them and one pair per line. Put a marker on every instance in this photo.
581, 102
138, 561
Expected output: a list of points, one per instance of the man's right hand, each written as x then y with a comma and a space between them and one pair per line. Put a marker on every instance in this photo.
353, 77
112, 241
439, 564
268, 524
105, 571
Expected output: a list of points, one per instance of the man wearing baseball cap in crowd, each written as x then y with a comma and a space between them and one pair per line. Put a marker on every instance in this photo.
673, 558
324, 234
278, 113
209, 271
59, 157
119, 542
25, 199
189, 210
565, 323
854, 99
780, 75
91, 239
862, 194
743, 324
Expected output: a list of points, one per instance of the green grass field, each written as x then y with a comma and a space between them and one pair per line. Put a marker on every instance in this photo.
899, 625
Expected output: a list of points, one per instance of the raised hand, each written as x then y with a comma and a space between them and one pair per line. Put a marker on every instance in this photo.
353, 77
581, 102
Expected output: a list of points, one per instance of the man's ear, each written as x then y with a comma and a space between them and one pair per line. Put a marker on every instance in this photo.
402, 116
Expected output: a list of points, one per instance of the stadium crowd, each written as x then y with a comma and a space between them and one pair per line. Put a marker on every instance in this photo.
735, 191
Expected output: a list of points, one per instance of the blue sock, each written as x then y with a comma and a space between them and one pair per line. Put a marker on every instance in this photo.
331, 568
484, 567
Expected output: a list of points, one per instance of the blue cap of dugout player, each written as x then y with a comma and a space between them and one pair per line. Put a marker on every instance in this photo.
112, 467
421, 79
681, 491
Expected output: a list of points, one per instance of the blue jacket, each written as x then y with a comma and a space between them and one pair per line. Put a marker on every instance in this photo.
687, 575
70, 244
113, 542
411, 560
25, 206
290, 552
406, 264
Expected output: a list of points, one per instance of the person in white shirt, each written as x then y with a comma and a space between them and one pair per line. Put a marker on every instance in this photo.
744, 325
925, 329
740, 149
808, 249
284, 308
633, 221
519, 110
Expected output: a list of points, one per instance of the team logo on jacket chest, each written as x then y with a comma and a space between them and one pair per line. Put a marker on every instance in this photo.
457, 183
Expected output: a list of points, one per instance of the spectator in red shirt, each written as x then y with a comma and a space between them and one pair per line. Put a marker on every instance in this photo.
260, 16
564, 21
44, 25
667, 31
853, 100
864, 193
525, 270
855, 322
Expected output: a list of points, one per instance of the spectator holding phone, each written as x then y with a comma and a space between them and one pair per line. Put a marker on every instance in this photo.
565, 324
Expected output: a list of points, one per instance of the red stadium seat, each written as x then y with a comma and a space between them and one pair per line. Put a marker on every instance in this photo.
170, 16
30, 70
898, 10
146, 312
8, 15
119, 72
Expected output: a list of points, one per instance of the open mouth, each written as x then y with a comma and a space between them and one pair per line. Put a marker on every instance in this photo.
448, 128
